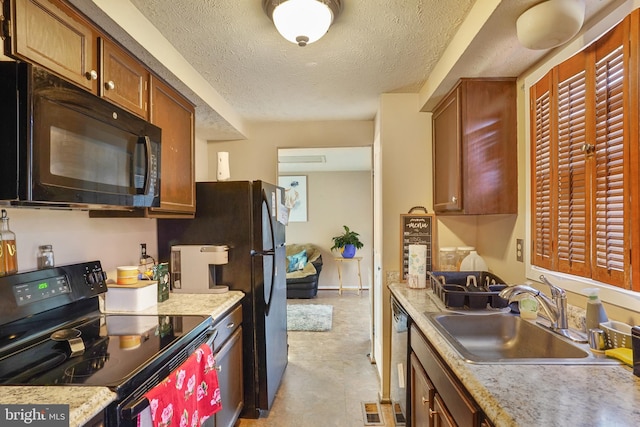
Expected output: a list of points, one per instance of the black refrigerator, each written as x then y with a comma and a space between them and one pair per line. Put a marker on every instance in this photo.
244, 216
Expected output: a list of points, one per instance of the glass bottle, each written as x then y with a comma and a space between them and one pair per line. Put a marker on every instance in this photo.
2, 272
9, 252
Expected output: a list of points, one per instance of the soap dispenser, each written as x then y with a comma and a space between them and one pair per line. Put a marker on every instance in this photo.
595, 310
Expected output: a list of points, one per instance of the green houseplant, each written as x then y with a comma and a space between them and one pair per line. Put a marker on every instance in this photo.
348, 242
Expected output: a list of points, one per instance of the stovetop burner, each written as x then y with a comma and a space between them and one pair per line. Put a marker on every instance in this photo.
59, 336
115, 348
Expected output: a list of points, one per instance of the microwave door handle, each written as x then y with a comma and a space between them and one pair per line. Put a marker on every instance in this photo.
147, 174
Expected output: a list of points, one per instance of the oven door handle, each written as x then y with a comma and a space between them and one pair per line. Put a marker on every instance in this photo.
212, 335
134, 409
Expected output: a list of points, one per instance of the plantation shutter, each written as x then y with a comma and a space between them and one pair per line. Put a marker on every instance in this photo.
541, 179
610, 205
572, 199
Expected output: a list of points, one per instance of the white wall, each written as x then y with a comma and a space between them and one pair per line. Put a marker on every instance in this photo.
76, 237
257, 156
337, 199
406, 170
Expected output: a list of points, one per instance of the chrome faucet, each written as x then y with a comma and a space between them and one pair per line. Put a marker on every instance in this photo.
555, 308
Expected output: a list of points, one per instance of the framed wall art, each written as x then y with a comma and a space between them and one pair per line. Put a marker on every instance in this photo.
295, 196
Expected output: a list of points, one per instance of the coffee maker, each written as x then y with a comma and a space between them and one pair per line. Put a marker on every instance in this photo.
194, 268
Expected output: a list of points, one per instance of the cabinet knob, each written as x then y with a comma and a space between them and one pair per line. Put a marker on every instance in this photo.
454, 199
432, 413
425, 401
110, 85
91, 75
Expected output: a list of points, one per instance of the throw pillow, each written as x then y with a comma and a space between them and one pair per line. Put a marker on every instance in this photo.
297, 261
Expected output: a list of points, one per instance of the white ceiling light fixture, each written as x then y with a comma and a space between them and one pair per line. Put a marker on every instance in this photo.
550, 23
302, 21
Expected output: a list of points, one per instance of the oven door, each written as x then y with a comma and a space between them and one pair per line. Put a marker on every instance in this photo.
85, 150
125, 412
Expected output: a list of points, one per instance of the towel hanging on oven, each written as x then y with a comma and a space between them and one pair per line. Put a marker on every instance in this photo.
188, 396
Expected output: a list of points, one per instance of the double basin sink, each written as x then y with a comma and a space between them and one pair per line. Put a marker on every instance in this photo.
505, 338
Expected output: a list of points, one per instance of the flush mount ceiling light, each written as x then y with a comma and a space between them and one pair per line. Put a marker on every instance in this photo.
550, 23
302, 21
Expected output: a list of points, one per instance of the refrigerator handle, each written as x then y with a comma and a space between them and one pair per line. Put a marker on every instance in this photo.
268, 252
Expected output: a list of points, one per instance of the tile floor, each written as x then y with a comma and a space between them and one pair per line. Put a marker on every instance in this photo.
329, 374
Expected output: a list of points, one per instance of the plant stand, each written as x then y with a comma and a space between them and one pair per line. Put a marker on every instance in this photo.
339, 261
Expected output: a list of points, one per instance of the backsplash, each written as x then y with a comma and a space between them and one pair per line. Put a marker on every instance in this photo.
76, 238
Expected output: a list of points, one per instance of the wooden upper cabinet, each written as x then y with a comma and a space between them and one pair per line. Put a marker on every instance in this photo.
50, 34
175, 116
124, 80
475, 149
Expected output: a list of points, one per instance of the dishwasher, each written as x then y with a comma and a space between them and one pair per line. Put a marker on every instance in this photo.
399, 362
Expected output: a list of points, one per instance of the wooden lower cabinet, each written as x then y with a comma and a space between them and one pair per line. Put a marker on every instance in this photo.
437, 397
440, 415
422, 394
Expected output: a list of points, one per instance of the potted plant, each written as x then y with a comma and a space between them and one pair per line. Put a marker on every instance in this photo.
348, 242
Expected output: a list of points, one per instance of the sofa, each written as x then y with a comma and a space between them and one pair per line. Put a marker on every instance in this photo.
304, 264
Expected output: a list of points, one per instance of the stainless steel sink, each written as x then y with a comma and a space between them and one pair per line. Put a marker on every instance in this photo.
506, 338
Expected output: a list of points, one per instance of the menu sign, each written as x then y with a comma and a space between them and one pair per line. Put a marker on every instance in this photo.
416, 229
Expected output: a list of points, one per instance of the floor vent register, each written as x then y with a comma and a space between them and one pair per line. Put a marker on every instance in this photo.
398, 416
372, 414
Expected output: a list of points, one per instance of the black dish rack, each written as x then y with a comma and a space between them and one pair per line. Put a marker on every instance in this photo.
468, 289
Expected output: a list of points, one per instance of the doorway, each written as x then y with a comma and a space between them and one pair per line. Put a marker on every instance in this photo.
338, 191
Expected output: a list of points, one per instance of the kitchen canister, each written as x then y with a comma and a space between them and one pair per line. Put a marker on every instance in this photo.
448, 259
45, 257
127, 275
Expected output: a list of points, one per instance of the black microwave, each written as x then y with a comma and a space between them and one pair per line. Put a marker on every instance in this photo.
63, 146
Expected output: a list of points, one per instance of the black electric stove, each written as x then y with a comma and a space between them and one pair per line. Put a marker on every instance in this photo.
53, 333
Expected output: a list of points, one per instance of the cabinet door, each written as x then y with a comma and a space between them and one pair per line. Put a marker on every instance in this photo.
175, 116
229, 363
51, 35
422, 393
124, 80
447, 187
440, 414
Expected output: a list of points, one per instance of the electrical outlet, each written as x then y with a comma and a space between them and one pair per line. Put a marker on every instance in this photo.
520, 250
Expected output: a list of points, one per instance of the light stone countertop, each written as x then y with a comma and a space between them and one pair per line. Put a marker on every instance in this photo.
534, 395
85, 402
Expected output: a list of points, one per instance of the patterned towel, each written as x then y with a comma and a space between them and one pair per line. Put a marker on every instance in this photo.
188, 396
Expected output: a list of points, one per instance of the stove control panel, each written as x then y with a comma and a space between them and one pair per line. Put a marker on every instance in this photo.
27, 293
39, 290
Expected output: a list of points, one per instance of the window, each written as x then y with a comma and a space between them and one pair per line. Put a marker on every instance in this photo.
581, 175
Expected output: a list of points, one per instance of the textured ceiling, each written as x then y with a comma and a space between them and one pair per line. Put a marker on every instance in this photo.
374, 47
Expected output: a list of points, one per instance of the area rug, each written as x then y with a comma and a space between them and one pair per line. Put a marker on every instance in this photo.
309, 317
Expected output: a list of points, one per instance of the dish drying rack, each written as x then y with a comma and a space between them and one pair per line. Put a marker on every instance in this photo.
473, 290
